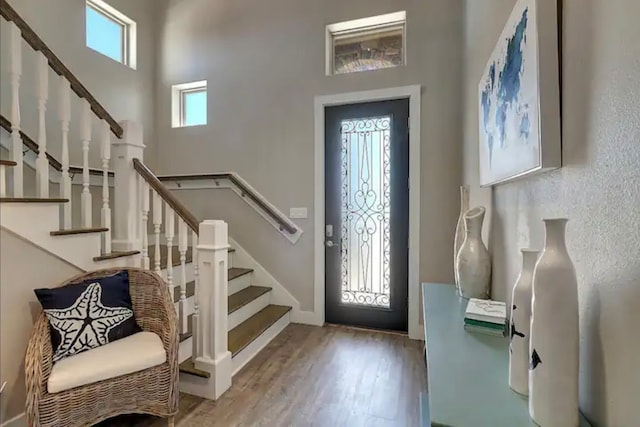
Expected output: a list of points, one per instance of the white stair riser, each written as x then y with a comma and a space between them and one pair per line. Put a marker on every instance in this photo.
242, 358
239, 283
185, 349
176, 273
189, 306
242, 314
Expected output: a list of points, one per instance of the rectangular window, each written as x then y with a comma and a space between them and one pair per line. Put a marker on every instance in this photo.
110, 32
366, 44
189, 104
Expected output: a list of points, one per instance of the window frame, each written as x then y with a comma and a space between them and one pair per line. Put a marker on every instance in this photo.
178, 105
362, 27
128, 31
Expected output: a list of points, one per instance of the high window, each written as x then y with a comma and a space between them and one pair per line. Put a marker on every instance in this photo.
366, 44
110, 32
189, 104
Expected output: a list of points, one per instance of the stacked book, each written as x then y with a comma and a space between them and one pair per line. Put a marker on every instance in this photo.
486, 317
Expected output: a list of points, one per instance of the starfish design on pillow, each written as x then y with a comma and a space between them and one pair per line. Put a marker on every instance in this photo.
85, 324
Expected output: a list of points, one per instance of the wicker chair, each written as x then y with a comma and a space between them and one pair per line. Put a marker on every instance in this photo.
152, 391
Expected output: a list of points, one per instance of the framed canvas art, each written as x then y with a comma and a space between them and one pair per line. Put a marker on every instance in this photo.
519, 97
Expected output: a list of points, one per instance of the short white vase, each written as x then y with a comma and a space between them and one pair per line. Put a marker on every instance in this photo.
459, 237
554, 345
473, 264
521, 325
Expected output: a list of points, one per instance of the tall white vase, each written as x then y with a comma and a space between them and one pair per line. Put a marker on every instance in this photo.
459, 237
473, 264
521, 324
553, 369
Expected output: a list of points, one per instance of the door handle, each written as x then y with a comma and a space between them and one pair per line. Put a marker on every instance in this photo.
329, 243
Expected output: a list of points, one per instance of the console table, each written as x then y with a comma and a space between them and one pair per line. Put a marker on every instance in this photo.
467, 372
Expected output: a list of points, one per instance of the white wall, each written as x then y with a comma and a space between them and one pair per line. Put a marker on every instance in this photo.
264, 62
598, 189
24, 268
125, 93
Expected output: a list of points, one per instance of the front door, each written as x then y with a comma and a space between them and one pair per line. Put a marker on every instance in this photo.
367, 214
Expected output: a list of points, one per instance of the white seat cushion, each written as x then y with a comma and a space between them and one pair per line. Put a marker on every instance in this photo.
131, 354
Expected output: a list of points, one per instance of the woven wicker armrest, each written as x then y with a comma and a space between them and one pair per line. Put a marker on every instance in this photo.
38, 361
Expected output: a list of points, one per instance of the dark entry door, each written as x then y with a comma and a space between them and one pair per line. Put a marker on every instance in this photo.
367, 214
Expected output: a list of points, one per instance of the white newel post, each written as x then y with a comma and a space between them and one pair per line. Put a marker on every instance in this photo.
213, 354
126, 206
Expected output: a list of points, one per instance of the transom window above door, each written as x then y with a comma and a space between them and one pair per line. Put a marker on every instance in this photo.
110, 32
366, 44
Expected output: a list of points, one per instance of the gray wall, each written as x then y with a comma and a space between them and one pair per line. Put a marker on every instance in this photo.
264, 62
24, 268
125, 93
598, 189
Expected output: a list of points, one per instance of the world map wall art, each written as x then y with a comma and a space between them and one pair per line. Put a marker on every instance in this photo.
519, 97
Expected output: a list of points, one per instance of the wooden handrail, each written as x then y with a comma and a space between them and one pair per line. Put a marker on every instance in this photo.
153, 181
33, 146
282, 221
56, 65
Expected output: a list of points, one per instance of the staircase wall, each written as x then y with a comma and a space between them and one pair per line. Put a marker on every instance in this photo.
24, 267
125, 93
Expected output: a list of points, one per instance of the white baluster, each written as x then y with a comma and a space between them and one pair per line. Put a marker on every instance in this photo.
3, 181
86, 140
183, 245
169, 232
195, 320
157, 223
16, 74
145, 218
105, 154
65, 118
42, 164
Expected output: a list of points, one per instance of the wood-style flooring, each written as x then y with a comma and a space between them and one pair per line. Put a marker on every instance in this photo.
310, 376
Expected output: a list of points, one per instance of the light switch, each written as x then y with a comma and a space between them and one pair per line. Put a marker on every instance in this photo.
298, 213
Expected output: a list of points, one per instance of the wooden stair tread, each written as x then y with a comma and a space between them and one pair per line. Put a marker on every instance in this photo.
189, 332
8, 163
114, 255
175, 255
236, 272
244, 297
188, 367
246, 332
78, 231
31, 200
191, 290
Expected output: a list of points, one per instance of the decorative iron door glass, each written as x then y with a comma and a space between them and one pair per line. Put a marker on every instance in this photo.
367, 210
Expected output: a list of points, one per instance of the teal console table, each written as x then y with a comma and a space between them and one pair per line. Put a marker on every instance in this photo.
467, 373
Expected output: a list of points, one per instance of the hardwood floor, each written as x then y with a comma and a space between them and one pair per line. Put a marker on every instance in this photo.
310, 376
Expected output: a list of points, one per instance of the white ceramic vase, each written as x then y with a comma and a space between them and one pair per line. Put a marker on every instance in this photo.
459, 237
473, 264
521, 325
554, 345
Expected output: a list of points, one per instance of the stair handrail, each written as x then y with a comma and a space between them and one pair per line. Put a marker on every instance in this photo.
36, 43
282, 221
35, 148
166, 195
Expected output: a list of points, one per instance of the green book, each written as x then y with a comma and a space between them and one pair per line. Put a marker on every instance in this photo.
500, 327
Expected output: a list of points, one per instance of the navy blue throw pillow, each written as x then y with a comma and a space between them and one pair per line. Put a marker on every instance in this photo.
88, 314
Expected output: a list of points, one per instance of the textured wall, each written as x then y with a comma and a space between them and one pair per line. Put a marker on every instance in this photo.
264, 62
598, 189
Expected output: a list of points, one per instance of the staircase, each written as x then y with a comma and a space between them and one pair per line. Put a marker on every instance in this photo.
252, 320
224, 317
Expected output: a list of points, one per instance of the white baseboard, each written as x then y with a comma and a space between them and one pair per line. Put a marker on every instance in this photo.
17, 421
306, 318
